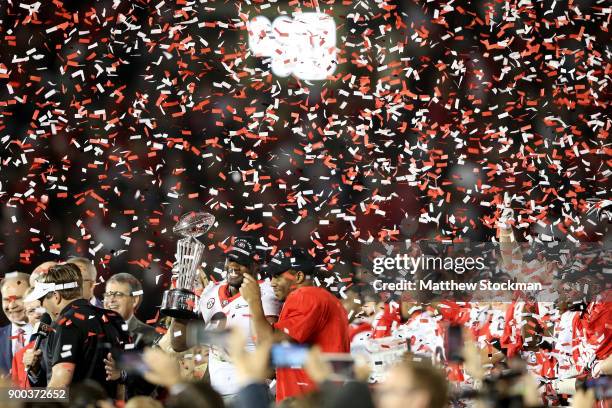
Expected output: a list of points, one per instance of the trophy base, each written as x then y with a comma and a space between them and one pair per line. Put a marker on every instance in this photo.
180, 304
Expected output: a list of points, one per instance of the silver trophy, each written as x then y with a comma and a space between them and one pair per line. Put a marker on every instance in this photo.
181, 302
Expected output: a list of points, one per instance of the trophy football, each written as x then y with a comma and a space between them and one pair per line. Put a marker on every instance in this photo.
181, 302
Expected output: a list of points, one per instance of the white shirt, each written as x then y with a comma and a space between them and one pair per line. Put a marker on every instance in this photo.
235, 312
27, 328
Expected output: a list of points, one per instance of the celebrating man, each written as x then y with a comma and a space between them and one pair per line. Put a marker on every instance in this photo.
123, 295
34, 312
16, 334
222, 305
310, 315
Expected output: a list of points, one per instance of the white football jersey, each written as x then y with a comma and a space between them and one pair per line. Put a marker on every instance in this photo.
424, 335
564, 343
219, 310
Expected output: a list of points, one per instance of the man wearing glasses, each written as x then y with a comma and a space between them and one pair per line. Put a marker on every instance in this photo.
123, 295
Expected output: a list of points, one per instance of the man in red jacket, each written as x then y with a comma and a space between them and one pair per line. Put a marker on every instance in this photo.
310, 315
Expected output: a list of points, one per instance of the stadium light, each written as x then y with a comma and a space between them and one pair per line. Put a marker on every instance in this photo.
304, 45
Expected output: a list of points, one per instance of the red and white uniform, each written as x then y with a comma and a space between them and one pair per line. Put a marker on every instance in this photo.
360, 331
486, 322
567, 339
598, 325
540, 362
424, 333
512, 339
386, 321
216, 303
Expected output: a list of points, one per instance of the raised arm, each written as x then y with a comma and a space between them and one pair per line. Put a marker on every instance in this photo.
178, 335
511, 255
250, 291
263, 326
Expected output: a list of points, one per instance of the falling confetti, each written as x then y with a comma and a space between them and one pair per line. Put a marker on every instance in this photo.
116, 117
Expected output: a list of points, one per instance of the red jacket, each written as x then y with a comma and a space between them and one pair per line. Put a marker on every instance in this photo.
18, 371
599, 325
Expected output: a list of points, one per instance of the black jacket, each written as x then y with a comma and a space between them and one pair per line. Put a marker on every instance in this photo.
142, 334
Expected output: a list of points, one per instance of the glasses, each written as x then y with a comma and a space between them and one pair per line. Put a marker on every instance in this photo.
118, 295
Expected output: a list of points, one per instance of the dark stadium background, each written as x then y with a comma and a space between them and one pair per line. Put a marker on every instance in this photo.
130, 172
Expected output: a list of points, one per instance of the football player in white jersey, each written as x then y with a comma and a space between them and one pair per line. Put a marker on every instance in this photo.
222, 306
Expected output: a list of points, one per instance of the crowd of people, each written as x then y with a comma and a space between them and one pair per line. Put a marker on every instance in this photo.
271, 334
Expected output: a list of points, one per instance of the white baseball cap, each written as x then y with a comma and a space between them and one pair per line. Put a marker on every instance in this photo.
43, 288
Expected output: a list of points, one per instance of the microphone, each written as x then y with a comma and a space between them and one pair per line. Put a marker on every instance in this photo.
43, 328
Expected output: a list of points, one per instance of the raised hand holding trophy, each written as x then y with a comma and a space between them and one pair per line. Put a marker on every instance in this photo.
181, 301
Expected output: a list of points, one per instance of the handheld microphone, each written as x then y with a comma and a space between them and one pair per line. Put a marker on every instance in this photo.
43, 328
